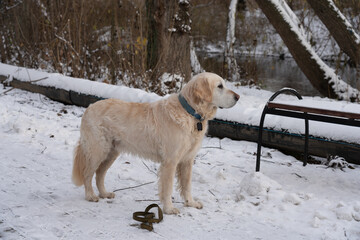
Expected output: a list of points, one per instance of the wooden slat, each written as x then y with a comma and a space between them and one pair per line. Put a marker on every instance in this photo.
314, 110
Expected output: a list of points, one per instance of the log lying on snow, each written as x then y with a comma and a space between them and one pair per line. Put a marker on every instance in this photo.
57, 94
284, 141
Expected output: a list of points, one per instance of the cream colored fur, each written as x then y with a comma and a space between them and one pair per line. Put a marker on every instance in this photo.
161, 131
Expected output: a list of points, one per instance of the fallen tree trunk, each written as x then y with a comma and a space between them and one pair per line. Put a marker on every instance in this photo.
342, 31
57, 94
322, 77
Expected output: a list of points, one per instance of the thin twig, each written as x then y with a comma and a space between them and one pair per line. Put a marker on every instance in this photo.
68, 43
211, 193
32, 81
219, 147
151, 200
214, 147
264, 160
241, 168
120, 189
237, 166
13, 6
200, 157
147, 200
217, 200
43, 150
7, 91
149, 168
285, 164
204, 5
299, 176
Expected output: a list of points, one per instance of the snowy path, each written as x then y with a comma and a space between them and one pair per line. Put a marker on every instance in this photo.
38, 200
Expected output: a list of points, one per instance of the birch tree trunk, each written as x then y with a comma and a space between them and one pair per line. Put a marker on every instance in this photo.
322, 77
342, 31
113, 47
231, 64
195, 64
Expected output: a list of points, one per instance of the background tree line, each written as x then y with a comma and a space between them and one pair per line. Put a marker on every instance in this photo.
134, 42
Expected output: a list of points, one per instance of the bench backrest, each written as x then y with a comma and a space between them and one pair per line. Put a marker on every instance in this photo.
314, 110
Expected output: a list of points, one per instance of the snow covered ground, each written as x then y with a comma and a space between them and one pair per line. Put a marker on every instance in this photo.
284, 201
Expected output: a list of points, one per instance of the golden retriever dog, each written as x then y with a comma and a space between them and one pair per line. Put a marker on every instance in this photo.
169, 131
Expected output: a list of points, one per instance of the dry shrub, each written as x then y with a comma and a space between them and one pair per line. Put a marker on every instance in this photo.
93, 39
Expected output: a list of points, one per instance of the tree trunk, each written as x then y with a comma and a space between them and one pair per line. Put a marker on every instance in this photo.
155, 14
319, 74
178, 57
231, 64
195, 64
168, 47
113, 47
342, 31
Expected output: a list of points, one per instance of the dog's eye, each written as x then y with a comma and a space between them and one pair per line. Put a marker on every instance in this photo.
220, 86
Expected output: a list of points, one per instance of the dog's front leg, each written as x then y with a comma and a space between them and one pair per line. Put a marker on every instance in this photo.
184, 172
166, 181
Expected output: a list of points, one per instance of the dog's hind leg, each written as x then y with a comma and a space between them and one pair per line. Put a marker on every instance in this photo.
101, 172
96, 156
184, 171
89, 191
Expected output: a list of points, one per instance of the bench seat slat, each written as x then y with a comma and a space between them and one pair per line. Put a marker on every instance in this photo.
314, 110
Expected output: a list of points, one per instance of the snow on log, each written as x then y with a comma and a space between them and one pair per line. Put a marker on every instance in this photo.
58, 81
348, 25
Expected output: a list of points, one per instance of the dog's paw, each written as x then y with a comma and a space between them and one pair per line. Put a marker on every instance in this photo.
92, 198
107, 195
171, 210
194, 204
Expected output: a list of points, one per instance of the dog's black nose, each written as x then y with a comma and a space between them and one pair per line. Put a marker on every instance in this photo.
236, 97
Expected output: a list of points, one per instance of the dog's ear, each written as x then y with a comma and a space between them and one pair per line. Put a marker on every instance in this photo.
202, 91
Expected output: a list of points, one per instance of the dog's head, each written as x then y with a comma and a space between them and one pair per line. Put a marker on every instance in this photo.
209, 90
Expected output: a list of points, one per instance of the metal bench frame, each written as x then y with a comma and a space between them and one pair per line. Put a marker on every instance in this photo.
306, 113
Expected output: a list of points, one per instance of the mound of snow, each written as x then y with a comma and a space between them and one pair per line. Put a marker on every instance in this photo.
347, 212
292, 198
356, 214
344, 212
257, 184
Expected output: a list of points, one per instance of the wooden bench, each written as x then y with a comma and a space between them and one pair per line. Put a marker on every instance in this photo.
302, 112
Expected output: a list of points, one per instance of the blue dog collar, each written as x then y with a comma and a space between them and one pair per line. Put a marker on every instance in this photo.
191, 111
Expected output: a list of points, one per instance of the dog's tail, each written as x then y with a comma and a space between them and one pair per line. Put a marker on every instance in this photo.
78, 165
